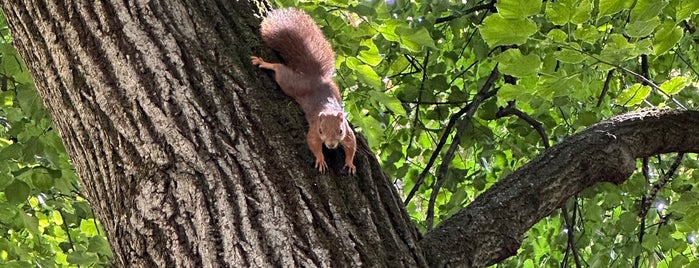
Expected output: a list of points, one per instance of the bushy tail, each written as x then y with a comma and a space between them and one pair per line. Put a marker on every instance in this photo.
298, 39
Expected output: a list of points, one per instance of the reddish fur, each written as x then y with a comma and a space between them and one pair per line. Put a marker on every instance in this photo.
307, 77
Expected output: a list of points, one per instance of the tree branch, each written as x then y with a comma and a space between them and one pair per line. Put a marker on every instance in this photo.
491, 228
511, 109
482, 95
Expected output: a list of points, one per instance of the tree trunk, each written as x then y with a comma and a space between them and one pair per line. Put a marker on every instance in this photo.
189, 156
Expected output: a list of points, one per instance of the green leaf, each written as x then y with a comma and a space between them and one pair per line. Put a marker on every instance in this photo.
587, 33
10, 63
647, 9
674, 85
650, 241
415, 39
497, 30
370, 55
518, 9
569, 11
511, 92
388, 101
569, 56
633, 95
88, 227
365, 73
42, 178
642, 28
370, 127
686, 8
512, 62
678, 261
610, 7
666, 36
587, 118
11, 152
627, 221
99, 245
557, 35
82, 258
17, 192
30, 102
618, 49
30, 222
554, 86
387, 29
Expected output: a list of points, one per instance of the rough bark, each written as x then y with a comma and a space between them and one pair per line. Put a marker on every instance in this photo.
491, 228
189, 156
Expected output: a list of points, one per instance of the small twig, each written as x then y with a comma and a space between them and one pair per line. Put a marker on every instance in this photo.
434, 102
419, 98
644, 68
512, 110
487, 6
659, 185
416, 69
647, 200
642, 228
429, 219
453, 79
689, 65
570, 224
65, 226
610, 74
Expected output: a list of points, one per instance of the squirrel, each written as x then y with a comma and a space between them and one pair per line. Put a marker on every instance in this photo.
306, 76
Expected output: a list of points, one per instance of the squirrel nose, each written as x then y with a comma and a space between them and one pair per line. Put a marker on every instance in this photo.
331, 145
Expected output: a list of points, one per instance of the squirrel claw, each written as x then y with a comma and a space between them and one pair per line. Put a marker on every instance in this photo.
255, 60
321, 165
351, 168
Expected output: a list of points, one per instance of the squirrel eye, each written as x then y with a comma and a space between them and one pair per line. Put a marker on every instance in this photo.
320, 130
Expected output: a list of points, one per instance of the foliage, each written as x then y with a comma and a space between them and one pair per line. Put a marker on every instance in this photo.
420, 84
43, 218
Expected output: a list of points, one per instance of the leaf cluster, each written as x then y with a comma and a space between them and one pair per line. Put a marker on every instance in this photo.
44, 220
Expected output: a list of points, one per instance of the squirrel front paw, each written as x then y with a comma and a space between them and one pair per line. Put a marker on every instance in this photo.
351, 168
321, 165
256, 60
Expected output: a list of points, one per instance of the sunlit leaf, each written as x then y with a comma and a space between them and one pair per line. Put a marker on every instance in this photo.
609, 7
666, 36
643, 28
517, 9
674, 85
497, 30
633, 95
568, 11
512, 62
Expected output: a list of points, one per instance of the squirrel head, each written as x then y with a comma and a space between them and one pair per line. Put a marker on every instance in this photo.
332, 128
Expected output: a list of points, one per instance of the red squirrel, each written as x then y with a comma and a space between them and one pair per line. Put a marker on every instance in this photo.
306, 76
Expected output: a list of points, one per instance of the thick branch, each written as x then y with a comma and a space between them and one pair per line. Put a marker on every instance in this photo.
491, 228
